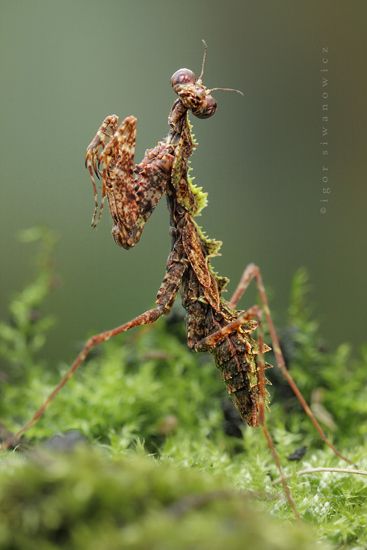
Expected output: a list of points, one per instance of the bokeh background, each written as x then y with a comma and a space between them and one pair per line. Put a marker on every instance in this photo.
65, 65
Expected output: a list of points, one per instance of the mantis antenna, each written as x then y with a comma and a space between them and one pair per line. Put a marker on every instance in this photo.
202, 74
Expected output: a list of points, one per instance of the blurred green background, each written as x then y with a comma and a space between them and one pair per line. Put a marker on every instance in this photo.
66, 64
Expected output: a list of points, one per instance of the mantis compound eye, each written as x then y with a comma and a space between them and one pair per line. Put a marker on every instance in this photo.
182, 77
206, 108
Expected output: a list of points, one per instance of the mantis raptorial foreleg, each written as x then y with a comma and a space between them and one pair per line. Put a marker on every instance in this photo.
132, 190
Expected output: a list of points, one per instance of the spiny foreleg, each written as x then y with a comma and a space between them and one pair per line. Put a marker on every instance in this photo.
93, 159
133, 190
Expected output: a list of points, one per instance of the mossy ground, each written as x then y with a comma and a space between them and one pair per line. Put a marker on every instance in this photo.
156, 429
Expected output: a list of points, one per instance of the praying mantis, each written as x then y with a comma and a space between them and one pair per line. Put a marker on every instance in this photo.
214, 324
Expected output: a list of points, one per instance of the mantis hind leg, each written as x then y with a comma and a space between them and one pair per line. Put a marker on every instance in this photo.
165, 298
249, 321
251, 272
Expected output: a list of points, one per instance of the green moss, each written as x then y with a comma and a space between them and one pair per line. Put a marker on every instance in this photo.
23, 335
87, 500
147, 393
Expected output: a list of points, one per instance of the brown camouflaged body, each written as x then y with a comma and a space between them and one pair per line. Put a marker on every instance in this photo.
235, 355
207, 311
133, 191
